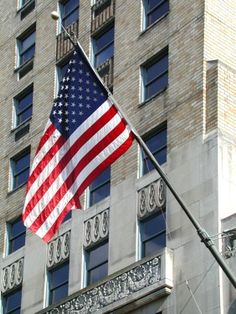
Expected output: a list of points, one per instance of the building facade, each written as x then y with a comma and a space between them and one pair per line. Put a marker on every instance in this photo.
171, 67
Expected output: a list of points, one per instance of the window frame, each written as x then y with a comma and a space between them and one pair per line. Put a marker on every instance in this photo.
62, 4
145, 67
100, 185
11, 238
160, 213
147, 12
14, 174
148, 136
7, 295
20, 40
95, 265
16, 101
110, 43
61, 284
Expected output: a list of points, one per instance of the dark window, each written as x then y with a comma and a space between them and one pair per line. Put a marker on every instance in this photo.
97, 263
12, 302
155, 75
62, 69
104, 46
26, 46
153, 234
69, 12
154, 10
157, 144
58, 283
23, 107
16, 235
100, 188
20, 169
23, 2
68, 216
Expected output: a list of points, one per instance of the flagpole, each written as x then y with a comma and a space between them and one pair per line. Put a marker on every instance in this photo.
200, 231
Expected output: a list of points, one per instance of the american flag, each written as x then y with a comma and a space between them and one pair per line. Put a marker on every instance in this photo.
85, 134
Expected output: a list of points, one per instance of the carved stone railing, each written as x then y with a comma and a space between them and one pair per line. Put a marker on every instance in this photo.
58, 250
143, 281
102, 12
12, 275
64, 45
96, 229
105, 71
151, 198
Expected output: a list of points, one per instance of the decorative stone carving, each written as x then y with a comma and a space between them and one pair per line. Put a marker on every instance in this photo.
12, 275
58, 249
96, 228
151, 198
124, 285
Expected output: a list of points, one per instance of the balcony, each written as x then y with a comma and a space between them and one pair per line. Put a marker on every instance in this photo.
105, 71
102, 12
142, 282
64, 45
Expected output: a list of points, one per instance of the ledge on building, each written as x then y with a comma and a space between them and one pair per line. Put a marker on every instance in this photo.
142, 282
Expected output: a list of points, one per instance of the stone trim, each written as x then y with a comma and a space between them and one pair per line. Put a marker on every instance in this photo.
151, 198
96, 229
58, 250
152, 277
12, 275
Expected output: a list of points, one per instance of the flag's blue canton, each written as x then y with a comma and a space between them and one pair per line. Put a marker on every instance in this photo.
80, 94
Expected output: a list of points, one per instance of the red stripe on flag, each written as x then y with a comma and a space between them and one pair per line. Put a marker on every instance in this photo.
66, 158
72, 177
47, 134
111, 158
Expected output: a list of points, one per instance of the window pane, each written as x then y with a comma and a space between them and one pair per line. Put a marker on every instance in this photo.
59, 293
157, 144
73, 17
24, 115
70, 6
22, 163
17, 243
104, 55
153, 226
12, 302
153, 3
21, 178
105, 39
100, 187
27, 42
98, 273
24, 102
155, 244
59, 275
99, 194
157, 68
17, 228
158, 13
157, 86
102, 178
157, 140
97, 256
16, 235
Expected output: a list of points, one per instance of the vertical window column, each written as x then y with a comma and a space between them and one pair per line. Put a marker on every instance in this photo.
58, 282
16, 235
12, 302
20, 166
157, 144
97, 263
